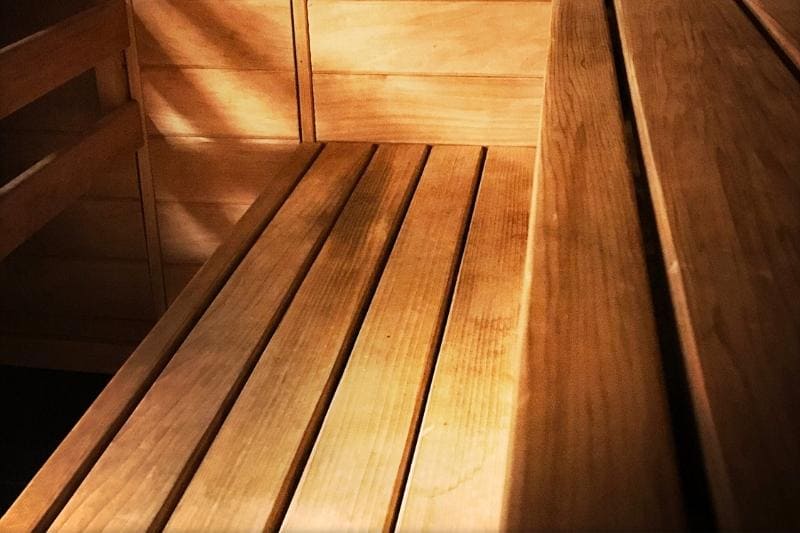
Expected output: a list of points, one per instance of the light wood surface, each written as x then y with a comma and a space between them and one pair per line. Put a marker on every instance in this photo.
594, 447
719, 120
458, 475
131, 486
353, 478
190, 232
430, 37
781, 18
243, 34
36, 196
290, 387
302, 58
452, 110
27, 68
214, 102
197, 169
55, 482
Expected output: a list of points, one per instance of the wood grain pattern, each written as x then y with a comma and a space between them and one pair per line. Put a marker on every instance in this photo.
27, 70
242, 34
353, 478
302, 58
430, 37
458, 476
48, 491
192, 169
285, 397
36, 196
781, 18
227, 103
194, 387
719, 120
594, 448
427, 109
190, 232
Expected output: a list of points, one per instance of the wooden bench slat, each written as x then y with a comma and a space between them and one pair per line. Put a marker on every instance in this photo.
270, 428
594, 445
781, 18
354, 476
36, 196
38, 64
719, 120
134, 481
47, 492
458, 475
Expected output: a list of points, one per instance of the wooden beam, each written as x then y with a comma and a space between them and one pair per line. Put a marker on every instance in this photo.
37, 195
38, 64
50, 488
303, 71
781, 18
718, 115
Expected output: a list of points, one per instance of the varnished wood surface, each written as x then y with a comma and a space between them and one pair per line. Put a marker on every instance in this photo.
286, 395
459, 468
192, 391
781, 18
719, 121
594, 446
28, 69
33, 198
442, 109
47, 492
354, 476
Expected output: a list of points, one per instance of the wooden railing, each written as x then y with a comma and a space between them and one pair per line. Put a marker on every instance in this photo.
31, 68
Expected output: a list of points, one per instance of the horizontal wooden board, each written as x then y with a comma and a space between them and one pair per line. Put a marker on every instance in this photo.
98, 228
430, 37
245, 34
76, 287
213, 102
41, 62
451, 110
190, 232
215, 170
22, 149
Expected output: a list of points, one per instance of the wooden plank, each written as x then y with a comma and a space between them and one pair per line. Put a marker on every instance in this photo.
353, 478
92, 228
55, 482
304, 356
449, 110
62, 354
460, 464
594, 419
144, 172
27, 68
302, 58
213, 102
245, 34
183, 408
190, 232
430, 37
191, 169
76, 287
33, 198
719, 120
781, 18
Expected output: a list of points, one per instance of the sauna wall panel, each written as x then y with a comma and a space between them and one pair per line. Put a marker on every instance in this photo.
89, 264
442, 71
202, 187
431, 109
218, 82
